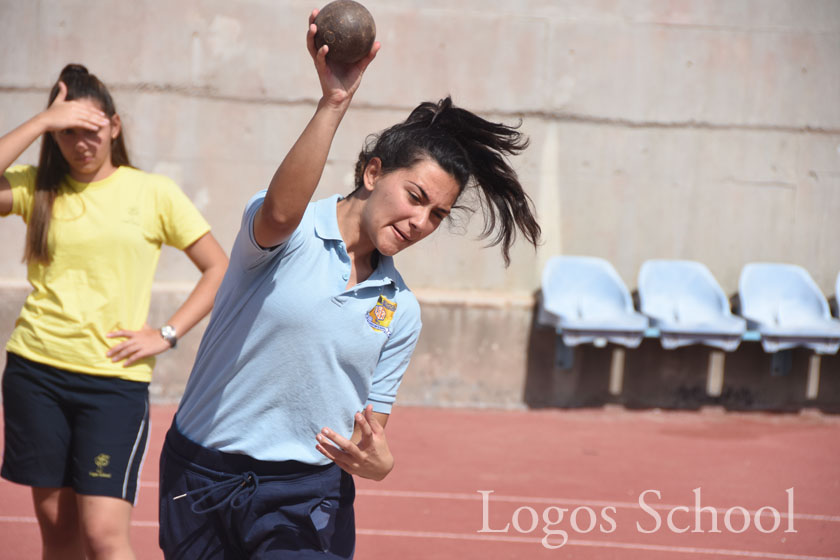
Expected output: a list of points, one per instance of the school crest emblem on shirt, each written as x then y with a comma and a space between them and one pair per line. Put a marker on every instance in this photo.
379, 318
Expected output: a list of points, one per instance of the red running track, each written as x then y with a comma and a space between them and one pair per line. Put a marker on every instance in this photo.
511, 473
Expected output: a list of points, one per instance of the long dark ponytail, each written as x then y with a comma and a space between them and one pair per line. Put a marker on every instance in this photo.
471, 149
52, 167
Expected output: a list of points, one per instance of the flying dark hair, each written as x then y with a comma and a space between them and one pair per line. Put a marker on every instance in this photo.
474, 152
52, 167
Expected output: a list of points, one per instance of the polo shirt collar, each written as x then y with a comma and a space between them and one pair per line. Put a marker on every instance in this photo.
385, 271
326, 227
326, 220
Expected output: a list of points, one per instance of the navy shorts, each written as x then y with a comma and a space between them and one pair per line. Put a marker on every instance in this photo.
66, 429
216, 505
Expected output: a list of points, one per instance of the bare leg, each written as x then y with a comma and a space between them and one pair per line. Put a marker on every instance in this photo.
58, 519
105, 527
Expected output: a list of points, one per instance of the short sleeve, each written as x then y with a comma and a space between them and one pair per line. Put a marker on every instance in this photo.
394, 359
22, 181
246, 252
181, 222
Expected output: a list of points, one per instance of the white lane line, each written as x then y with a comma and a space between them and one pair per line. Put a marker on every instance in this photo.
23, 519
13, 519
567, 501
594, 544
528, 540
560, 501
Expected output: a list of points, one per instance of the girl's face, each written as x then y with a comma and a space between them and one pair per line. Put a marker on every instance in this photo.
406, 205
88, 152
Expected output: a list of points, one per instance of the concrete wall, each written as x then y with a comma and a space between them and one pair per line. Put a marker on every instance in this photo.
698, 129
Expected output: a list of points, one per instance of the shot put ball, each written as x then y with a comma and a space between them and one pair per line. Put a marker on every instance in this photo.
347, 28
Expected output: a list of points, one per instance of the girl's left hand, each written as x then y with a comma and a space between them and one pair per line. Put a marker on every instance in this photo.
137, 345
370, 458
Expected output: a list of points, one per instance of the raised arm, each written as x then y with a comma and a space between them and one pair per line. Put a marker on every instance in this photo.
61, 114
295, 180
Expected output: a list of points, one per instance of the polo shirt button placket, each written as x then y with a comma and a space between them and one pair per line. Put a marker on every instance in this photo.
342, 252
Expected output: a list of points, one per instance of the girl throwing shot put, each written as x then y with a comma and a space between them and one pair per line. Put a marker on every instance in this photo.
314, 328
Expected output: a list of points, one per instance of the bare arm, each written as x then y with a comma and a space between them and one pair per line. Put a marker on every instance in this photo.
210, 259
296, 178
5, 196
61, 114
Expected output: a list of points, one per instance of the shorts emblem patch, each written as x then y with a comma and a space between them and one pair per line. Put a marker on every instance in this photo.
101, 461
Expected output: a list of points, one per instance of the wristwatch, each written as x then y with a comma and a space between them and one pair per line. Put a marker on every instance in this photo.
167, 332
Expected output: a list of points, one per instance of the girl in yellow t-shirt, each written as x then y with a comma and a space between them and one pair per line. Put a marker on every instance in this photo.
79, 361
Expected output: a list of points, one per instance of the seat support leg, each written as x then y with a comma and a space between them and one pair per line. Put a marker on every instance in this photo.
617, 372
781, 363
813, 388
564, 356
714, 373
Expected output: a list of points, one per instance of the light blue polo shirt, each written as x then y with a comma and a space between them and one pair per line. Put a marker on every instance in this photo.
289, 350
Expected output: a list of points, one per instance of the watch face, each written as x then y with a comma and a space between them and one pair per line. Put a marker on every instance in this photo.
167, 332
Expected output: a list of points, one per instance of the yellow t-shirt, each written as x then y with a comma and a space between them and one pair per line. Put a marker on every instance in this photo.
105, 240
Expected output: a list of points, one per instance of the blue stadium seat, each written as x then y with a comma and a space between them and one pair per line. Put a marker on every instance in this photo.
787, 308
687, 305
585, 300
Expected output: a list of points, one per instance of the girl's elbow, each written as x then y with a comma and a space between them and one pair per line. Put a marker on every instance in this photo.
279, 219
